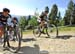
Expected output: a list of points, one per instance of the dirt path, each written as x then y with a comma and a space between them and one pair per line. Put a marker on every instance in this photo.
63, 44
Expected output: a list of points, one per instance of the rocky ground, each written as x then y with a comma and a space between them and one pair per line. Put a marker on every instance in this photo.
63, 44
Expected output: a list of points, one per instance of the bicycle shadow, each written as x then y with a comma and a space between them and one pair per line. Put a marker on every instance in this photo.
32, 50
28, 39
64, 37
60, 37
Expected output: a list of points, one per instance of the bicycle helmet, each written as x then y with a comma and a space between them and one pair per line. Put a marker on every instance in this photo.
46, 9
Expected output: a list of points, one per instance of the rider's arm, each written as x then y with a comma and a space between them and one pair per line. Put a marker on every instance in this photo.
10, 16
42, 15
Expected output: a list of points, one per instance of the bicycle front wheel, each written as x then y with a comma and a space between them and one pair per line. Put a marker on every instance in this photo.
15, 42
52, 31
36, 32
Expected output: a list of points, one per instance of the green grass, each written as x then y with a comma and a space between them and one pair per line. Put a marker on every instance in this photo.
61, 29
27, 32
66, 28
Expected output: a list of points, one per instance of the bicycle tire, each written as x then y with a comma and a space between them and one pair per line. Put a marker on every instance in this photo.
52, 31
12, 47
35, 30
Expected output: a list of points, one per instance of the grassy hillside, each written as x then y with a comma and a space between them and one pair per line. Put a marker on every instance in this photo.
61, 29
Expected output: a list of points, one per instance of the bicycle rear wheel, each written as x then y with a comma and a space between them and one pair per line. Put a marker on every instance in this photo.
52, 31
36, 32
15, 43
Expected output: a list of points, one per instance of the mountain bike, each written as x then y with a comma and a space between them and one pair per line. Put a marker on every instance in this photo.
50, 29
15, 43
12, 38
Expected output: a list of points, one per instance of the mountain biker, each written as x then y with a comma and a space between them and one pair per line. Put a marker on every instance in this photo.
12, 25
4, 16
43, 18
15, 20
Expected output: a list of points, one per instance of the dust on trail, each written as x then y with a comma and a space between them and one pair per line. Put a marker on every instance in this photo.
63, 44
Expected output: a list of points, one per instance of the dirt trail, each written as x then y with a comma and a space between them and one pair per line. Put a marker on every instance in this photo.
63, 44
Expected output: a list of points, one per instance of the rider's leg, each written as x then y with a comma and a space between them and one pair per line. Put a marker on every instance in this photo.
42, 26
8, 41
39, 22
8, 32
4, 37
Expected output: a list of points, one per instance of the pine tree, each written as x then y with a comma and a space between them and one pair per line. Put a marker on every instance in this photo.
68, 18
53, 14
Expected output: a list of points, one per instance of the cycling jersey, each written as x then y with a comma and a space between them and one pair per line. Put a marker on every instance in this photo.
43, 16
4, 19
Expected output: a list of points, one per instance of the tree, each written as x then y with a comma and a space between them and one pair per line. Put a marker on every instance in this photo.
67, 18
23, 22
36, 13
53, 14
28, 19
71, 5
59, 19
33, 21
73, 20
59, 16
68, 15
